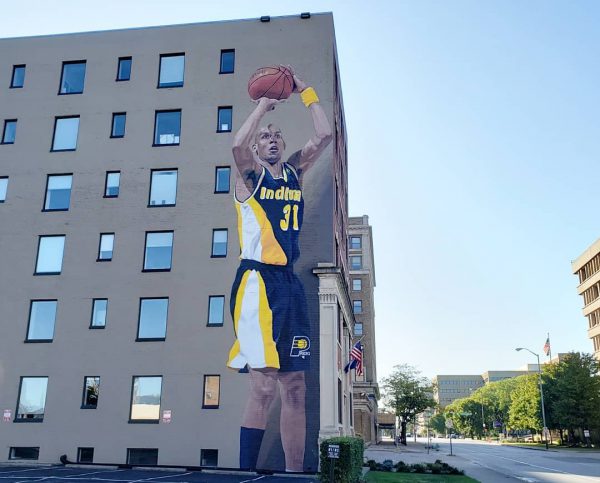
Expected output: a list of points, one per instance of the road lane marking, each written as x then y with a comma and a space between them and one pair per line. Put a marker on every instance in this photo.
255, 479
159, 477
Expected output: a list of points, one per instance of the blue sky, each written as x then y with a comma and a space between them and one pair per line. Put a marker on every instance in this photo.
473, 147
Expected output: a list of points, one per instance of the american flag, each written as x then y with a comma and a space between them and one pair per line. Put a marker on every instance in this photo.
547, 346
356, 359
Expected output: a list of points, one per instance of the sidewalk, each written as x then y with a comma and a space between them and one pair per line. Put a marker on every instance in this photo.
417, 453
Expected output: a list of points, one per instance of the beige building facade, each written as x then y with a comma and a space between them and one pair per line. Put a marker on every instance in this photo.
587, 269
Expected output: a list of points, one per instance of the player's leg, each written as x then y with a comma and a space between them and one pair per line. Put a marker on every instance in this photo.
293, 418
263, 385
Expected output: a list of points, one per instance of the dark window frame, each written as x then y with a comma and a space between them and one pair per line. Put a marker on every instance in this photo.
12, 77
156, 113
208, 324
176, 54
217, 168
12, 458
354, 237
144, 421
213, 406
360, 266
62, 73
212, 243
98, 259
42, 274
151, 339
223, 108
30, 420
130, 59
56, 118
6, 121
83, 404
144, 269
112, 125
39, 341
49, 210
209, 466
359, 280
2, 200
152, 171
92, 326
136, 464
106, 184
79, 451
361, 331
226, 51
357, 303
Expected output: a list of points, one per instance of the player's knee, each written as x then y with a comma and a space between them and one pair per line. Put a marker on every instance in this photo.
293, 395
263, 395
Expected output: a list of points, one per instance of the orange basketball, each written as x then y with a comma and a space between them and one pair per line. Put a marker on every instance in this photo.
274, 82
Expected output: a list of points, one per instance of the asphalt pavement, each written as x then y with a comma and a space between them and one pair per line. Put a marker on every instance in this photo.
493, 463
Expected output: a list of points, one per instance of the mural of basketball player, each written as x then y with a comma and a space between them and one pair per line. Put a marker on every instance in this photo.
268, 304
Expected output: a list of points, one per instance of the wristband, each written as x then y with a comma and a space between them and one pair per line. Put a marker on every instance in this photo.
309, 96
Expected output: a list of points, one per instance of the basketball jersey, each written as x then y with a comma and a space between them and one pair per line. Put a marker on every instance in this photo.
269, 222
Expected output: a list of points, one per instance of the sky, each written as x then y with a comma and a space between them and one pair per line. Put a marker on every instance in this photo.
473, 133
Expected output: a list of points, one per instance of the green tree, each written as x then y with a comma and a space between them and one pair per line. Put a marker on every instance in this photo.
496, 399
572, 392
437, 422
525, 408
407, 394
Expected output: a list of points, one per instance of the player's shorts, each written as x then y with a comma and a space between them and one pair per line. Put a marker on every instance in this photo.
270, 319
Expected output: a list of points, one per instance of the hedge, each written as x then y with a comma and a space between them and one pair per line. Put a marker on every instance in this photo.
348, 468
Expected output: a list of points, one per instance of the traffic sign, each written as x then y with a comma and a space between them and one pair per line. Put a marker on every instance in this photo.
333, 451
449, 424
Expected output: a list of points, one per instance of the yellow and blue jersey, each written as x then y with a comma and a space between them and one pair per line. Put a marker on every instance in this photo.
269, 222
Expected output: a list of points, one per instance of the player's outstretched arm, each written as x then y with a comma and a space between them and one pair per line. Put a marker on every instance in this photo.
322, 136
247, 168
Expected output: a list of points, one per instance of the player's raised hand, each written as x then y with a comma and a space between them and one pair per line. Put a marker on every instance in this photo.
299, 84
267, 104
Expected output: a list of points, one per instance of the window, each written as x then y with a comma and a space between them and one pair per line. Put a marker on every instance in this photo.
3, 188
211, 392
124, 69
159, 250
152, 323
42, 316
209, 457
219, 243
91, 390
355, 262
107, 242
58, 192
10, 131
355, 242
24, 453
340, 410
85, 455
216, 306
117, 129
32, 399
227, 61
167, 128
358, 328
225, 115
163, 187
145, 399
357, 306
172, 67
222, 176
18, 76
72, 78
51, 249
111, 186
66, 130
356, 284
99, 309
142, 456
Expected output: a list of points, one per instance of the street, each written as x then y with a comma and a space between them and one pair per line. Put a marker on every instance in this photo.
524, 464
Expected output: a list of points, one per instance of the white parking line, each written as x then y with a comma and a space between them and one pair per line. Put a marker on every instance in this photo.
159, 477
255, 479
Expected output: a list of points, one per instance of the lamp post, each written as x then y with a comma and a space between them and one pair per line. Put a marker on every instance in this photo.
541, 390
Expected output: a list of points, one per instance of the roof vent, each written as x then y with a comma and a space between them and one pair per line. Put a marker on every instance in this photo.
305, 15
265, 18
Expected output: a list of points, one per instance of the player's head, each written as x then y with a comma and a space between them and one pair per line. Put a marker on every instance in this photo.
269, 144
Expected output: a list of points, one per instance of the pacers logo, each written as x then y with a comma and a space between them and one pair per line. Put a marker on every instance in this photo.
300, 346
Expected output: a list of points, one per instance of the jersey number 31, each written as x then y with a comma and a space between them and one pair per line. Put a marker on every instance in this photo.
284, 223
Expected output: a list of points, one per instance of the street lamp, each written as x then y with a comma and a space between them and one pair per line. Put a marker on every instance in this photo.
541, 390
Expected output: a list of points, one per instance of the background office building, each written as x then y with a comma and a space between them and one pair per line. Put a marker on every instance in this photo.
120, 241
587, 269
362, 285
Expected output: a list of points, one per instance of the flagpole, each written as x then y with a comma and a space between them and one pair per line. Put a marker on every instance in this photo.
549, 348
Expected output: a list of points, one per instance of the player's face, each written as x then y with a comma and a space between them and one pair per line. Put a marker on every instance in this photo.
269, 144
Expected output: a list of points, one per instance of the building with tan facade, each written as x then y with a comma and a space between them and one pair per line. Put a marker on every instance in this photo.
587, 269
120, 244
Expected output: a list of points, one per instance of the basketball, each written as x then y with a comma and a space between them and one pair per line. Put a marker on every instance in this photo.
275, 82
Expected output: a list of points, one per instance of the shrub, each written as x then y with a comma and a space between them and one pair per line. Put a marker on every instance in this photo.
402, 467
372, 465
348, 468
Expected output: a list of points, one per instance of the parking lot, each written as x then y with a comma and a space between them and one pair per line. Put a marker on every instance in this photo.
23, 474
